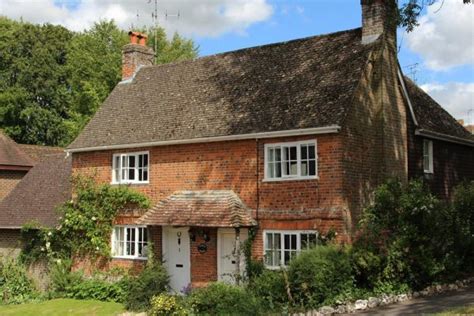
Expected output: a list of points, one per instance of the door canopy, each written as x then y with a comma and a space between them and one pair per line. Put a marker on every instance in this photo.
211, 208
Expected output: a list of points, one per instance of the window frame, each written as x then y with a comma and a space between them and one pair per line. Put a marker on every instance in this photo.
136, 168
282, 244
298, 144
136, 241
428, 155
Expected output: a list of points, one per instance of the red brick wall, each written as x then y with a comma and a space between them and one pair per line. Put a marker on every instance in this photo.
8, 180
318, 204
204, 265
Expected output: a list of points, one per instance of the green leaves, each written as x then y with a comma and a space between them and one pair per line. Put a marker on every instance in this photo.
52, 80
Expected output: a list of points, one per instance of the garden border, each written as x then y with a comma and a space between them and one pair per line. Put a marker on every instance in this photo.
386, 299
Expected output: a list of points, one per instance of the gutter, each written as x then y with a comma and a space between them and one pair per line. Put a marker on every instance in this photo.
294, 132
444, 137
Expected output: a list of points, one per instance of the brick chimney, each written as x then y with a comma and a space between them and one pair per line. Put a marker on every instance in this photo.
136, 54
379, 17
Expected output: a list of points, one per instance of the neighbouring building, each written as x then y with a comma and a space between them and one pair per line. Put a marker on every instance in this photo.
34, 200
14, 164
285, 141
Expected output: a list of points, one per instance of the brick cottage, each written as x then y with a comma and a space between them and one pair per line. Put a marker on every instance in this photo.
287, 140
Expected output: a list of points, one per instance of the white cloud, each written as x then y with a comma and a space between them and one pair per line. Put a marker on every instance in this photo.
445, 37
457, 98
197, 17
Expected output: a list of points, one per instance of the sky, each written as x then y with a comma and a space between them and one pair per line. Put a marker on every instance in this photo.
439, 54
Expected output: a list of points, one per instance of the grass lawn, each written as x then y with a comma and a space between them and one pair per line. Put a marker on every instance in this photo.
466, 310
63, 307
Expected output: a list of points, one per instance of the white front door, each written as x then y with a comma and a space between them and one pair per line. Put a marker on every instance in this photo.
176, 254
227, 254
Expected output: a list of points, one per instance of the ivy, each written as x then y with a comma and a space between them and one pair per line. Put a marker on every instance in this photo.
85, 223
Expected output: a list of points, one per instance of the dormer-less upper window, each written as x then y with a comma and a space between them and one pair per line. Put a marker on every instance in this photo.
428, 156
286, 161
130, 168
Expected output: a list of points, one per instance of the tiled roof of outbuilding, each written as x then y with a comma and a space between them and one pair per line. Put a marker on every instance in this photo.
37, 195
431, 116
303, 83
38, 153
11, 154
213, 208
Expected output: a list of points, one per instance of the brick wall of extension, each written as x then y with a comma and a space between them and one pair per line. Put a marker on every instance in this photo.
303, 204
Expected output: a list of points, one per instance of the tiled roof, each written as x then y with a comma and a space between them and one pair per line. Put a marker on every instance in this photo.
305, 83
216, 208
37, 195
11, 154
38, 152
431, 116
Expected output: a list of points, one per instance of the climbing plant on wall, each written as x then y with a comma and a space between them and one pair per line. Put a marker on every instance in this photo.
85, 223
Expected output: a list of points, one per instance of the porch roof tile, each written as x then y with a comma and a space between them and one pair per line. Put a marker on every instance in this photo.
211, 208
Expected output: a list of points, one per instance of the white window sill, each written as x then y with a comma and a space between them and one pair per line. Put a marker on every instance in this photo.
290, 179
130, 183
275, 268
130, 258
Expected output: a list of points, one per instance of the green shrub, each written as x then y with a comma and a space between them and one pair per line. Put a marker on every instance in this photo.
95, 289
223, 299
463, 208
15, 285
166, 305
62, 278
270, 288
319, 275
153, 280
409, 237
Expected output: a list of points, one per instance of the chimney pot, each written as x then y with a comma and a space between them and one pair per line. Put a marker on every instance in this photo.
136, 54
133, 37
142, 38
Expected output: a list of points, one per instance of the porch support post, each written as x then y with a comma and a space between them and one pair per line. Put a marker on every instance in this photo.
237, 255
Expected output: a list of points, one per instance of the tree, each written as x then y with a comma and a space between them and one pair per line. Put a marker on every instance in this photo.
34, 93
411, 10
53, 80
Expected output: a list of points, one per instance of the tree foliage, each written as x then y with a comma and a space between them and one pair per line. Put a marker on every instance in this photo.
411, 10
53, 80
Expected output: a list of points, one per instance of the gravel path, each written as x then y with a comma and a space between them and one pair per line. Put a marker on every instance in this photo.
427, 305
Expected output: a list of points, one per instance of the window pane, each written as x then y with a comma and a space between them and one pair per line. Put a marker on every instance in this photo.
269, 258
293, 242
312, 152
131, 174
269, 240
278, 170
294, 168
140, 161
271, 155
312, 168
286, 244
131, 161
277, 241
304, 151
145, 175
293, 153
124, 161
277, 154
145, 160
140, 174
304, 168
271, 170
